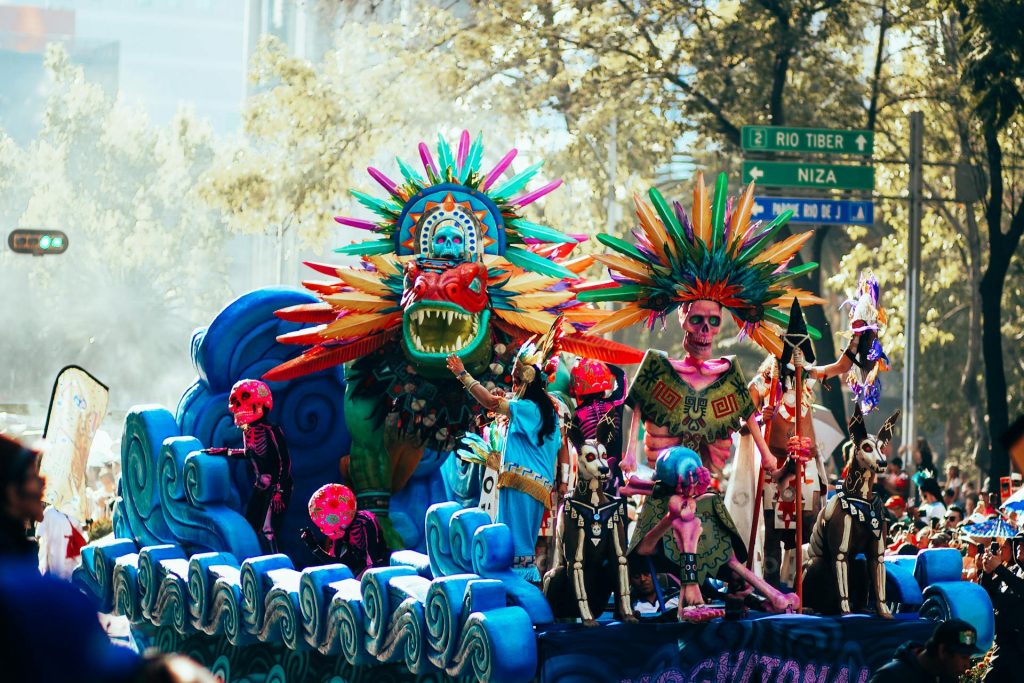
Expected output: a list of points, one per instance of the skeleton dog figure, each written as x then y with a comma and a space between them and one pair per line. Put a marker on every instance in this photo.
590, 545
852, 522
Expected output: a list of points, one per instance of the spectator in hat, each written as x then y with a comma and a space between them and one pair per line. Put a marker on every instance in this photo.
21, 499
896, 510
1006, 588
943, 659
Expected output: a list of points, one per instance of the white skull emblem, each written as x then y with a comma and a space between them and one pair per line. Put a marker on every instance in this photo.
702, 321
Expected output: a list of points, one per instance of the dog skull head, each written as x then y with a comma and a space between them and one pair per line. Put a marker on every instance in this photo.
702, 321
870, 448
593, 461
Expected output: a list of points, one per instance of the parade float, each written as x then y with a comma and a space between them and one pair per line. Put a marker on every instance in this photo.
362, 396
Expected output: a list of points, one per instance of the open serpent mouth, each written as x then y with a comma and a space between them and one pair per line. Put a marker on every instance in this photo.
441, 330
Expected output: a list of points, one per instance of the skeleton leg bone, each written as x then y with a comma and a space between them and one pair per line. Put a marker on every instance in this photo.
843, 566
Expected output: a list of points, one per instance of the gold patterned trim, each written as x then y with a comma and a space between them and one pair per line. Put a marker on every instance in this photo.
527, 482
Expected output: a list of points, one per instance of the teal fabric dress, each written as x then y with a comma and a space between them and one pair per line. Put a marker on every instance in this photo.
523, 462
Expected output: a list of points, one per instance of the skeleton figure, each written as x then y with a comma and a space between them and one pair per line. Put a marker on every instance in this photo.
352, 537
590, 547
250, 403
599, 392
852, 522
697, 402
702, 529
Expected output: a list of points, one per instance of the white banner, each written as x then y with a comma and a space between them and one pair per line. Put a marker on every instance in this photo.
77, 407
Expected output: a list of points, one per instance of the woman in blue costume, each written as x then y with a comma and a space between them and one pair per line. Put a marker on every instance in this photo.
532, 441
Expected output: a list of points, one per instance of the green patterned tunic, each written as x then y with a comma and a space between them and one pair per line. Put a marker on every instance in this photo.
698, 418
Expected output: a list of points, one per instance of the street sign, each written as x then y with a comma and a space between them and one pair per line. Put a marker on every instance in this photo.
810, 210
814, 140
801, 174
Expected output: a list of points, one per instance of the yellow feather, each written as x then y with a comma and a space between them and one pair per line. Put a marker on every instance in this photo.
358, 301
584, 314
532, 321
777, 253
627, 267
701, 211
538, 300
384, 264
741, 215
624, 317
802, 295
768, 339
653, 228
359, 324
363, 281
529, 282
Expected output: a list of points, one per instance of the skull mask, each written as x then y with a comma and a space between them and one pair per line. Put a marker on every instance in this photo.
702, 320
448, 242
249, 400
332, 508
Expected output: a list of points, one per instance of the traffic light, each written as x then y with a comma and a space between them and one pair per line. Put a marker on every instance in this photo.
37, 242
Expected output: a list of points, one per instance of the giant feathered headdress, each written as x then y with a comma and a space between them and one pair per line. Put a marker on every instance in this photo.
716, 253
528, 268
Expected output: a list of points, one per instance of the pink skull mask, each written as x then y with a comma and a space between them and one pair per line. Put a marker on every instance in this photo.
702, 321
250, 400
332, 508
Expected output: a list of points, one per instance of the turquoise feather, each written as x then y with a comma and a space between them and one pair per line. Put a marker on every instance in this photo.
472, 165
516, 182
539, 232
367, 248
527, 260
380, 207
444, 157
411, 176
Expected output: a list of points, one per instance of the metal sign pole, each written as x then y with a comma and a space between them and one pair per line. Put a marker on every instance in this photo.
913, 276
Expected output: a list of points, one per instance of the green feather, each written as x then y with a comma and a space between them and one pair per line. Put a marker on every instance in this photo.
516, 182
791, 273
621, 246
527, 260
617, 293
718, 211
540, 232
368, 248
780, 318
668, 218
773, 227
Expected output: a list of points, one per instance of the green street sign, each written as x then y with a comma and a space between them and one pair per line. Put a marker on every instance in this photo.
800, 174
812, 140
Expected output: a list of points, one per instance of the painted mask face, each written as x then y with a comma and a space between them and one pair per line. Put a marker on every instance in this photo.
448, 242
332, 508
593, 461
702, 321
250, 399
871, 448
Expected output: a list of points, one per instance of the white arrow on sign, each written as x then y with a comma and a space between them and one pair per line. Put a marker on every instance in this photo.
756, 173
861, 141
758, 209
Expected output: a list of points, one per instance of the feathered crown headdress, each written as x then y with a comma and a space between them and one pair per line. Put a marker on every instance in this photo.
537, 353
716, 253
529, 267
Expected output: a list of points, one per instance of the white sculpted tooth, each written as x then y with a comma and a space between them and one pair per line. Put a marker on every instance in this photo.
458, 343
449, 316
